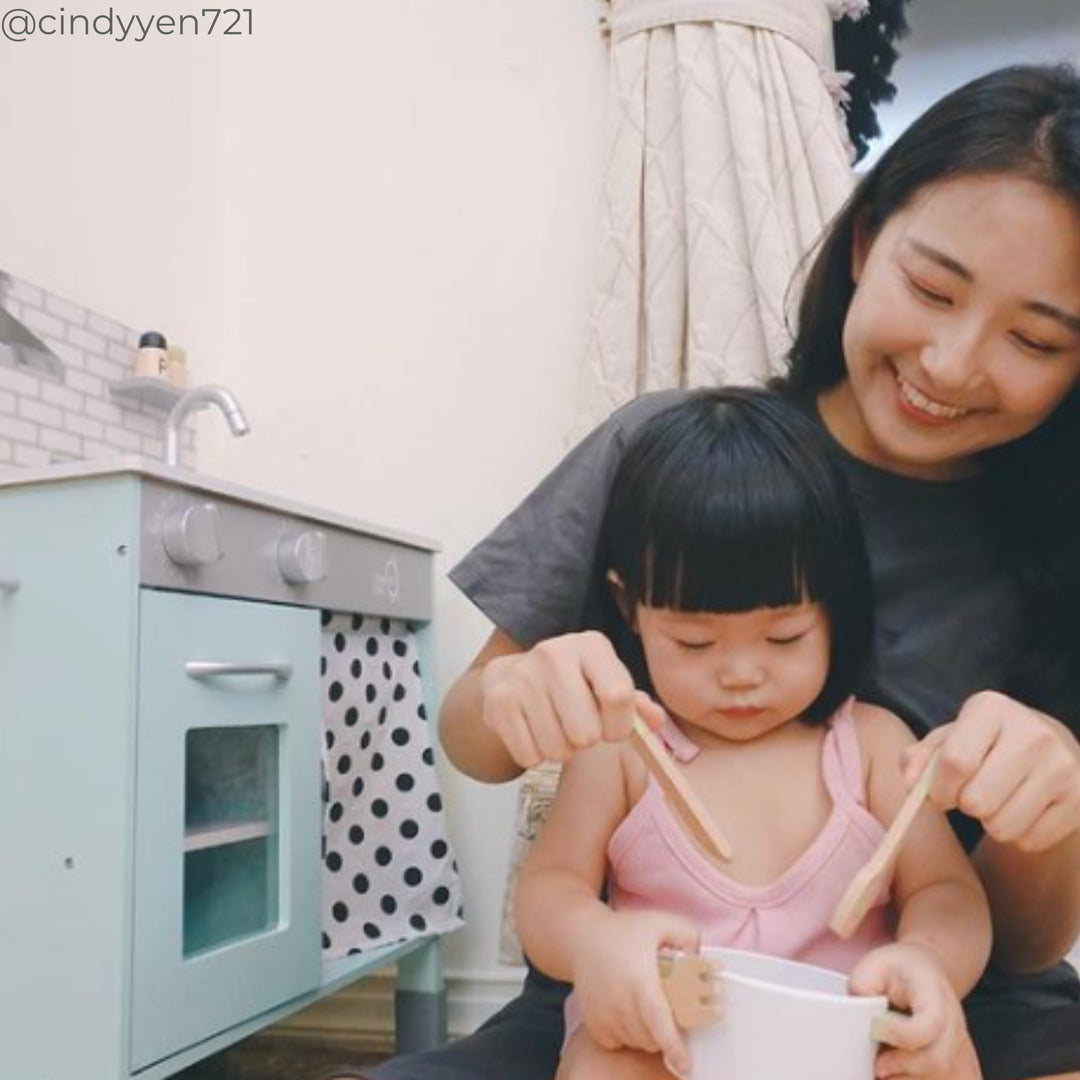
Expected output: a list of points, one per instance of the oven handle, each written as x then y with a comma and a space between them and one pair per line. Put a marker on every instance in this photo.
208, 669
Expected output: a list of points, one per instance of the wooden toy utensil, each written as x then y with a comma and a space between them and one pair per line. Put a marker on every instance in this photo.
866, 884
692, 989
687, 806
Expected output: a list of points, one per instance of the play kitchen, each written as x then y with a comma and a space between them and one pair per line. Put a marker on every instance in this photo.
160, 743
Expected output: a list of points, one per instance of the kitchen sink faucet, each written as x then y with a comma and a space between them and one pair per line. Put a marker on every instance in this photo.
200, 397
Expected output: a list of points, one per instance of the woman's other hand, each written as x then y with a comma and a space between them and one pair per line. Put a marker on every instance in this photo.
1014, 769
562, 695
617, 982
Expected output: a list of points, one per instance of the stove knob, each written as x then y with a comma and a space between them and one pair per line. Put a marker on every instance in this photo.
190, 534
301, 557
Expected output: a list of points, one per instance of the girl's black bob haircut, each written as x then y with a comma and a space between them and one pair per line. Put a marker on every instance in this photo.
729, 501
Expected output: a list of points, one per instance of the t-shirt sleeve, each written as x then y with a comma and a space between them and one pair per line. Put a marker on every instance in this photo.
532, 574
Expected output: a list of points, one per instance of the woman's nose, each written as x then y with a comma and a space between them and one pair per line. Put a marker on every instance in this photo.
954, 361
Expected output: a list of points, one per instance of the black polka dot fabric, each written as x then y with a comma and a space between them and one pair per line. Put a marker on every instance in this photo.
388, 871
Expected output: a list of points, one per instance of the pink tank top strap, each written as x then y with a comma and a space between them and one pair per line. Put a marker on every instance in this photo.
679, 746
842, 759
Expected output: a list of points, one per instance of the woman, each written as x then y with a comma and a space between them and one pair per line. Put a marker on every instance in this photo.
939, 347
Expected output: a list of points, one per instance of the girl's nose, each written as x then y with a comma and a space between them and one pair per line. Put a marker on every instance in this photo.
741, 675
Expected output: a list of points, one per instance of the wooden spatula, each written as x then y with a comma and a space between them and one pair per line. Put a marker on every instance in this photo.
866, 884
687, 806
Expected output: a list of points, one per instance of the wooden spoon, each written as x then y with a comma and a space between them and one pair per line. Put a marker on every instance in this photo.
866, 884
687, 806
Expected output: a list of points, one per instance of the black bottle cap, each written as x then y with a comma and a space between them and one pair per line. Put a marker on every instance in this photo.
152, 340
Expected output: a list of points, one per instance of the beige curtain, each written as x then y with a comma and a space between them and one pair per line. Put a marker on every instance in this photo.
727, 155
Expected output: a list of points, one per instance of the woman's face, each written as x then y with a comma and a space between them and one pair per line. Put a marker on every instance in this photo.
964, 330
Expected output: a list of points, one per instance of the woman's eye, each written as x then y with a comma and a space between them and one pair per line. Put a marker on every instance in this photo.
1043, 348
926, 293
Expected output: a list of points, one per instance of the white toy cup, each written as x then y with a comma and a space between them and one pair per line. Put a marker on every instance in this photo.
784, 1020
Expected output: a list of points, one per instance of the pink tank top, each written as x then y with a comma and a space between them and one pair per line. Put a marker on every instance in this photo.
654, 865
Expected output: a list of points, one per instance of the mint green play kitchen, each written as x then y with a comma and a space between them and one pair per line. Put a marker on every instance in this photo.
217, 793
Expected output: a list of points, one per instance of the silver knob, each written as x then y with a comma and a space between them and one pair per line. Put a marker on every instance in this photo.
190, 534
302, 557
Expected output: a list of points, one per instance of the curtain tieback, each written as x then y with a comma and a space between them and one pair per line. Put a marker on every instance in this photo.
806, 22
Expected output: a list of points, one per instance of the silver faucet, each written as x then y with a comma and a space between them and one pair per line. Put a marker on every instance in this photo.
198, 398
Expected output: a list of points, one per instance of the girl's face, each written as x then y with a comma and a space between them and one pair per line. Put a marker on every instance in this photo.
737, 676
964, 330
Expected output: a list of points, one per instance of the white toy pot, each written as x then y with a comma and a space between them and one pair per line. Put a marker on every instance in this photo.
784, 1020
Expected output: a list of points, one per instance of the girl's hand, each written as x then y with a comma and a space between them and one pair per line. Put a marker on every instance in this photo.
933, 1040
1014, 769
562, 695
617, 983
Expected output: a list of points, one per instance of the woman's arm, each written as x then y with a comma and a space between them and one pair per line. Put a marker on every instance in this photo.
514, 708
1018, 772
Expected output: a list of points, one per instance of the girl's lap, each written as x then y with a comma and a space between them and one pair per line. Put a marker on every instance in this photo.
584, 1059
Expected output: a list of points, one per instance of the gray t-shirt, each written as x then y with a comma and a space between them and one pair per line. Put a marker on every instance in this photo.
946, 611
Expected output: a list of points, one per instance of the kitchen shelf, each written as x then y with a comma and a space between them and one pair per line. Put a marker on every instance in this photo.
145, 390
223, 835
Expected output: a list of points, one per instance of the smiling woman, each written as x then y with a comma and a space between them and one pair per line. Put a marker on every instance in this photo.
937, 348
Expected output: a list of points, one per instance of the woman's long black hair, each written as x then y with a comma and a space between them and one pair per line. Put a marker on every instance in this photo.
727, 502
1019, 121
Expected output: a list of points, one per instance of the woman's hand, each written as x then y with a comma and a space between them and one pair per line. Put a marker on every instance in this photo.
932, 1041
1014, 769
562, 695
617, 983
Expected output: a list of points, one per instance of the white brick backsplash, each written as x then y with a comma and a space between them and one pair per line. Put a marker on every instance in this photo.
72, 355
96, 450
19, 430
86, 340
42, 420
121, 354
126, 440
22, 290
62, 396
106, 369
19, 383
83, 425
91, 385
64, 309
40, 413
107, 328
31, 456
62, 441
106, 411
41, 322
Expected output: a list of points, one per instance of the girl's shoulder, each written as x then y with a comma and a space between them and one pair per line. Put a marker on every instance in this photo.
882, 738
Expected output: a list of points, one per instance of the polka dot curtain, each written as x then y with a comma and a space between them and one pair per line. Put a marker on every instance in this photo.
388, 872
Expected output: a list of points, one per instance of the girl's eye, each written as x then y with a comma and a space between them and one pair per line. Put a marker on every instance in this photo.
789, 640
1042, 348
928, 294
693, 646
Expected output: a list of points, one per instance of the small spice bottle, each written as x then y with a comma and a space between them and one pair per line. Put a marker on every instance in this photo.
152, 356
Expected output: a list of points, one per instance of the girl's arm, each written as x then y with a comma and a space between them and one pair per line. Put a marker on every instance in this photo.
942, 907
1018, 772
570, 934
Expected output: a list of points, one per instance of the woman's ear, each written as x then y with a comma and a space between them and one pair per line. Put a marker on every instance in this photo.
862, 239
622, 600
